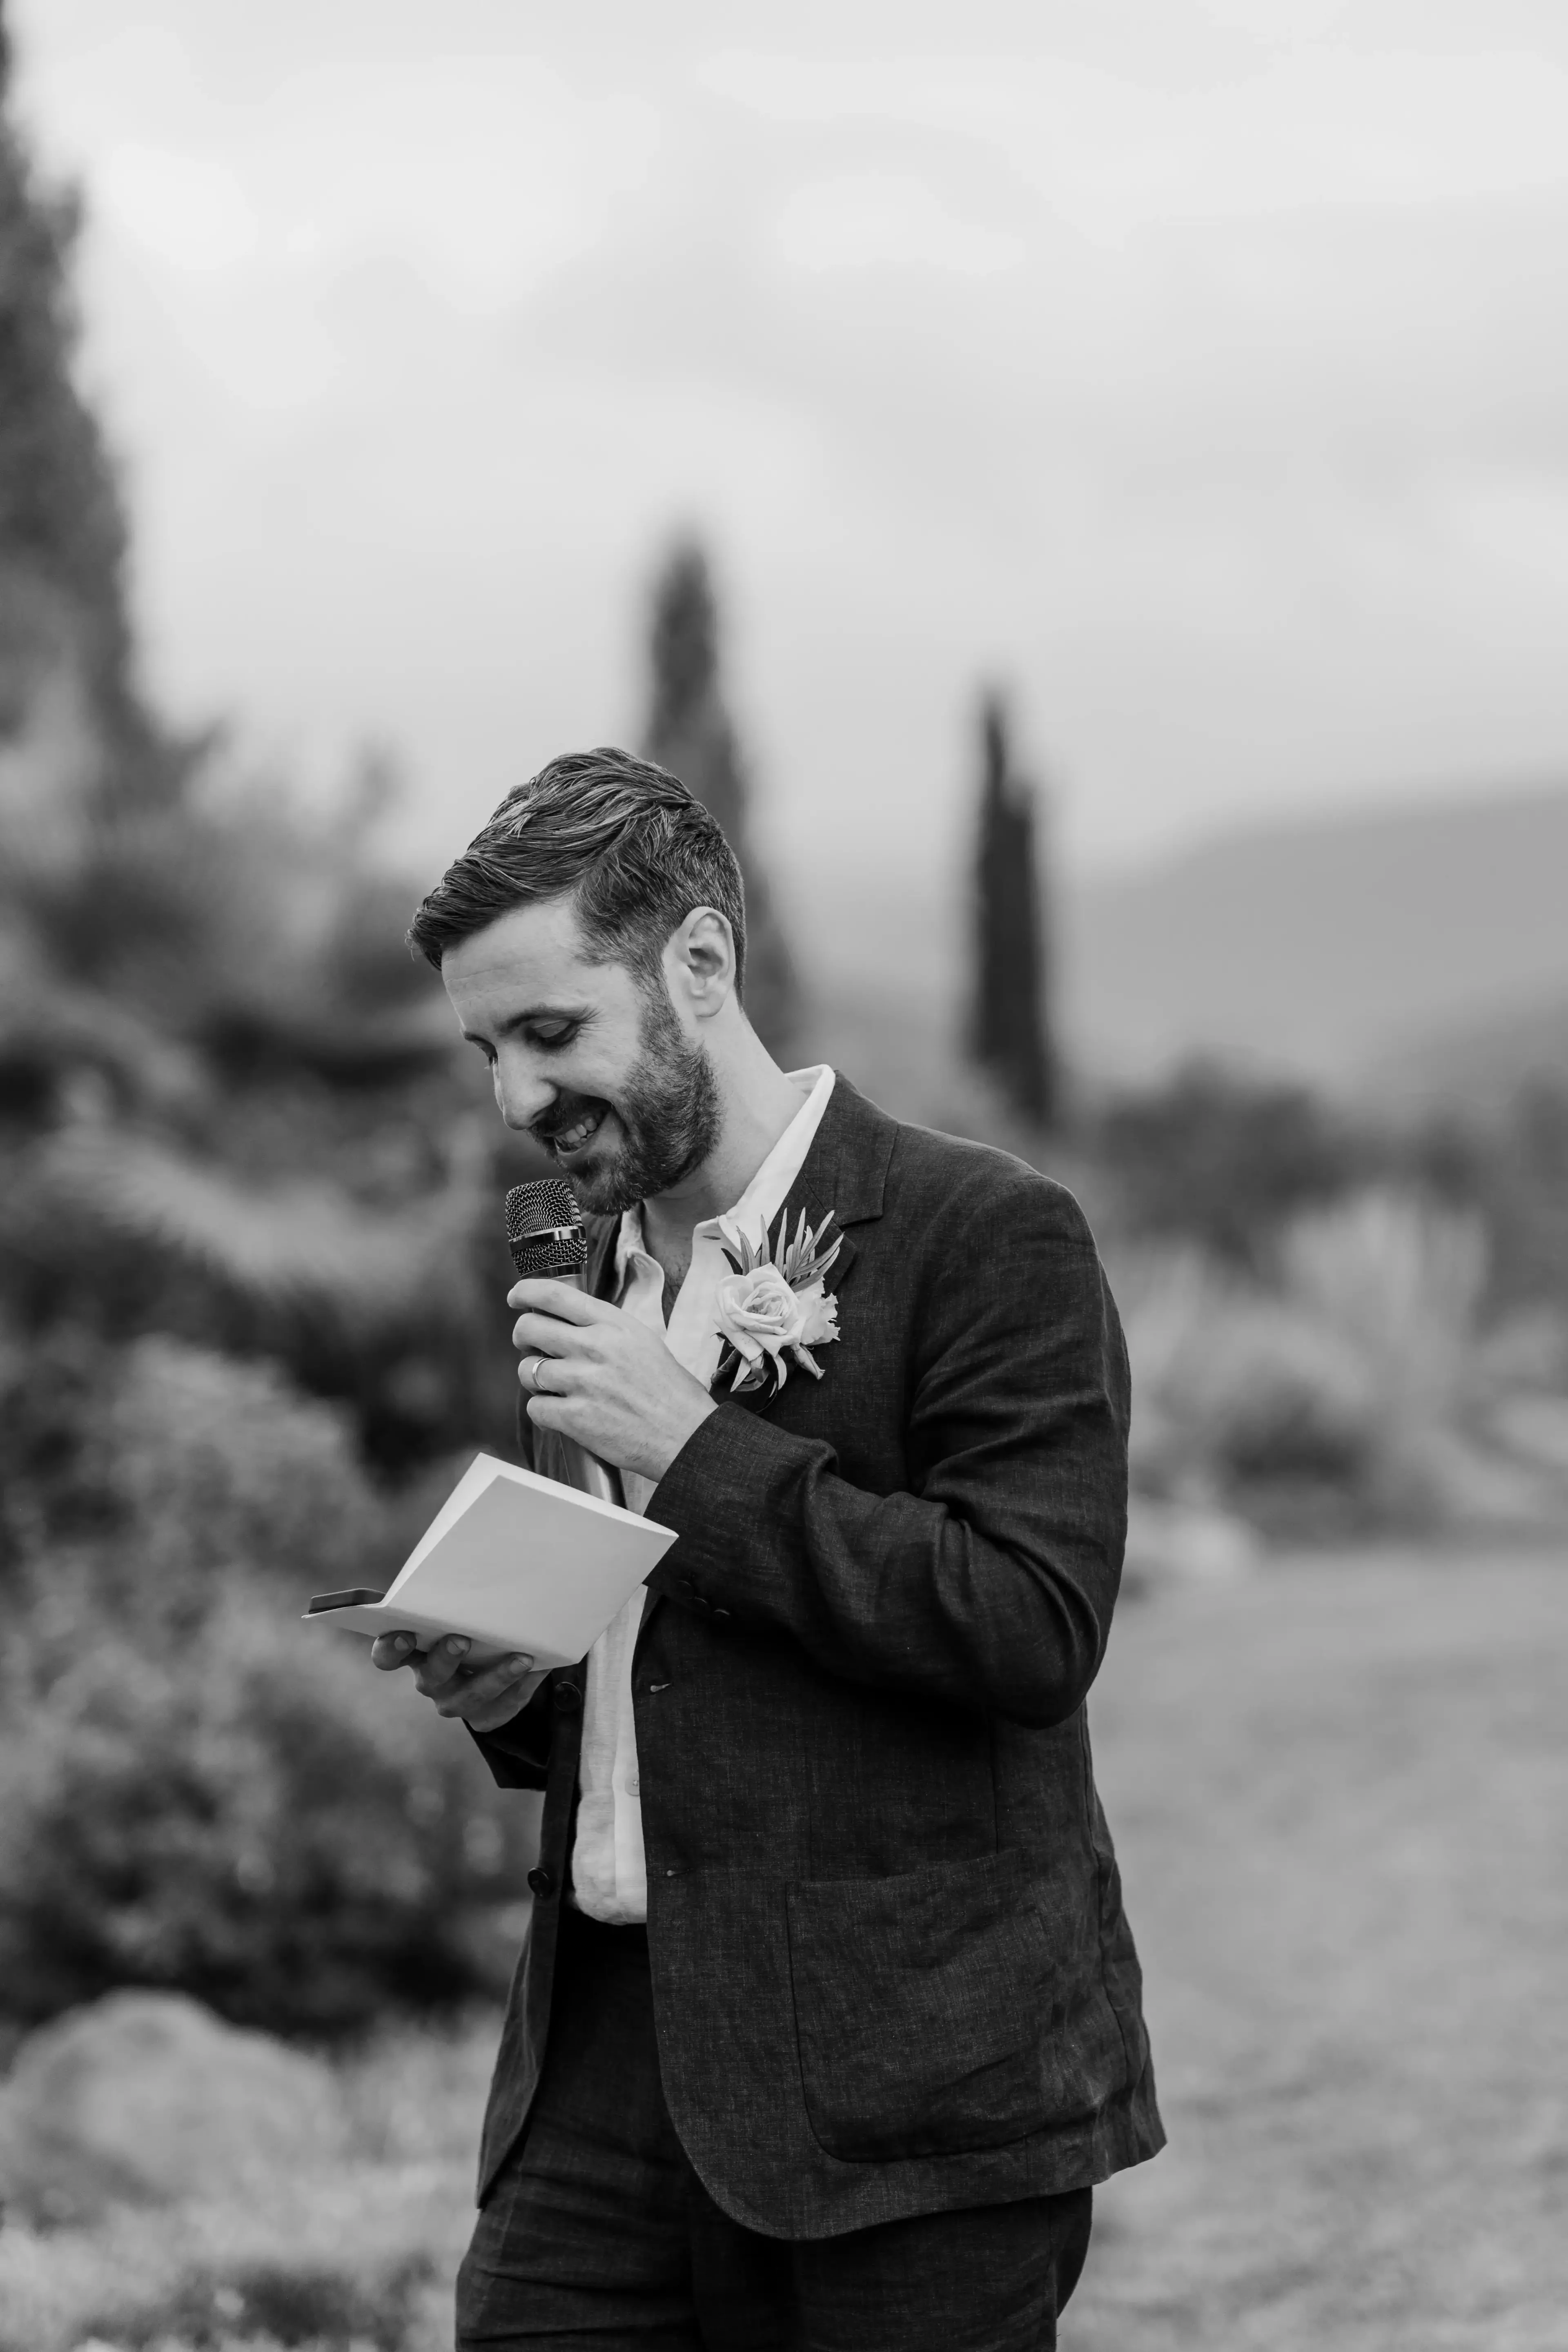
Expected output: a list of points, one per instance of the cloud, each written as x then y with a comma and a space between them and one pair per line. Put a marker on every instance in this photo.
189, 211
1307, 128
1212, 389
869, 219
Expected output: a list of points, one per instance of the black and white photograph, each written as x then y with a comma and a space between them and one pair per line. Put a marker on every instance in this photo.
784, 1176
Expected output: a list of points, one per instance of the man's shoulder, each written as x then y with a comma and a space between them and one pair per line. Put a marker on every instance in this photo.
930, 1170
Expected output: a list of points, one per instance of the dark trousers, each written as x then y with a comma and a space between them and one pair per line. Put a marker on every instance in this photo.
599, 2235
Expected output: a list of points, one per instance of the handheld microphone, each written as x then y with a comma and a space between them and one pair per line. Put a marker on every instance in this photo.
545, 1234
544, 1230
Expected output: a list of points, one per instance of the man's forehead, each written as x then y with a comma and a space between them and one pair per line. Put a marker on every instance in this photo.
530, 956
532, 940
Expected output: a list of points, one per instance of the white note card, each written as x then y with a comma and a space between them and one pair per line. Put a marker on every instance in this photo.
516, 1562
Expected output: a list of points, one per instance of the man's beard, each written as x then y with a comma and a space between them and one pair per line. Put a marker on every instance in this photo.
669, 1113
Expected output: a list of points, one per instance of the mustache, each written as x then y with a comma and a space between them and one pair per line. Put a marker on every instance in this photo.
563, 1113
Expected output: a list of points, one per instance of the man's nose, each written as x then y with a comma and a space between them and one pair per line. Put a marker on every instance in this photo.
521, 1096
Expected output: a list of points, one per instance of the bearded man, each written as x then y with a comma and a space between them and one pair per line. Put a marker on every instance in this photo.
829, 2018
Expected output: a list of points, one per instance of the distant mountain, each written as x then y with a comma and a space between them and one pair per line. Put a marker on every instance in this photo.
1418, 951
1483, 1065
1336, 948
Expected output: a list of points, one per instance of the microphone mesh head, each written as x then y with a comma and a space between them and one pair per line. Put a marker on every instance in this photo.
544, 1228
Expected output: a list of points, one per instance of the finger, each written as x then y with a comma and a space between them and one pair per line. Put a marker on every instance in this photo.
390, 1650
440, 1663
548, 1412
545, 1335
481, 1690
511, 1702
563, 1300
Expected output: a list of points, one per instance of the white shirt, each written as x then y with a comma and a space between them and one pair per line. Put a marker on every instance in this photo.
609, 1872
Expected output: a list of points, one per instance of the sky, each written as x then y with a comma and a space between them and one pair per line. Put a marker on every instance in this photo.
1195, 369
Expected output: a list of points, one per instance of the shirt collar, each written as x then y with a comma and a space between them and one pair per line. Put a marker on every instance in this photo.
766, 1193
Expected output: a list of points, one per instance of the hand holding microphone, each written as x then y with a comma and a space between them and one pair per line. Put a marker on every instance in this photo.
591, 1374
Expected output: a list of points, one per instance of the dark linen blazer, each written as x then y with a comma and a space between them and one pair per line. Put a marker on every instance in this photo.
891, 1971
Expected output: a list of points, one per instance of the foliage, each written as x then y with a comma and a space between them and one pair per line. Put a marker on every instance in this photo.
358, 2250
1009, 1028
176, 1464
201, 1793
1362, 1379
214, 1462
251, 1816
252, 1285
1222, 1159
1512, 1170
691, 732
234, 1111
62, 526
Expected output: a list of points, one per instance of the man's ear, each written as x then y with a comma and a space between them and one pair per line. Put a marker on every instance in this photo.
699, 962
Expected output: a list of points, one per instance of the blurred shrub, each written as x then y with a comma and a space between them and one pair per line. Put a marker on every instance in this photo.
1222, 1159
215, 1462
1224, 1162
176, 1463
353, 2248
1404, 1286
1231, 1386
1361, 1380
315, 2308
255, 1817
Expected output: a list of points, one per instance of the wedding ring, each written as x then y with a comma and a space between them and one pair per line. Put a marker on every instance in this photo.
531, 1374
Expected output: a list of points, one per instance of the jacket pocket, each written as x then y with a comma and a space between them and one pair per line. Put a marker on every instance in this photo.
920, 2006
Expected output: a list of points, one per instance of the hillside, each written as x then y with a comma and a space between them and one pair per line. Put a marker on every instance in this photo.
1411, 949
1327, 946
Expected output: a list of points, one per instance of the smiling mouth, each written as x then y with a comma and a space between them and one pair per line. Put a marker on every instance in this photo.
565, 1141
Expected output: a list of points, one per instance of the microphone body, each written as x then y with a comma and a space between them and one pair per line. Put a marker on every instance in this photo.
545, 1234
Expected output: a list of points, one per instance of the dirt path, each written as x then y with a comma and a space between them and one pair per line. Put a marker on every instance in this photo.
1340, 1792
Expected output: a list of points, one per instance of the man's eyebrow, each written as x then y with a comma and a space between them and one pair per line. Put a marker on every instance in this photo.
516, 1021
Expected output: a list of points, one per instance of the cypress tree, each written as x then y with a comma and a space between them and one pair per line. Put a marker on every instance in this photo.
63, 538
1009, 1031
690, 733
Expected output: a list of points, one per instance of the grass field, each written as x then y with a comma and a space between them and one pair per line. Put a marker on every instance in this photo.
1341, 1793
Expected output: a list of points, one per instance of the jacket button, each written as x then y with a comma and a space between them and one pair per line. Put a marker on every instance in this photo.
568, 1697
542, 1882
721, 1616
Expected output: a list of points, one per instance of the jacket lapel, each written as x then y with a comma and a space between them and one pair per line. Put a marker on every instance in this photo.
844, 1173
843, 1178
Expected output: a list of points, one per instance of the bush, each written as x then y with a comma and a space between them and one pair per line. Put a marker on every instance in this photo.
1233, 1386
1362, 1373
217, 1464
316, 2309
1221, 1159
254, 1817
195, 1458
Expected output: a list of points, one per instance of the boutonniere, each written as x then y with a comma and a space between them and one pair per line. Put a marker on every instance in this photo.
772, 1307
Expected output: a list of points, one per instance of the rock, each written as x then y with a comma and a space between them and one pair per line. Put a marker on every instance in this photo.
146, 2098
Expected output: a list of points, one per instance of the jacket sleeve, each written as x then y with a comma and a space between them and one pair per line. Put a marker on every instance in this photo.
991, 1582
517, 1753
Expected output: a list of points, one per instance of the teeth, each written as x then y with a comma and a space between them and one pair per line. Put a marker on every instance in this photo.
571, 1137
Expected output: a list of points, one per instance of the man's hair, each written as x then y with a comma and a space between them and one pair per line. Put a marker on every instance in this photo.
639, 850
